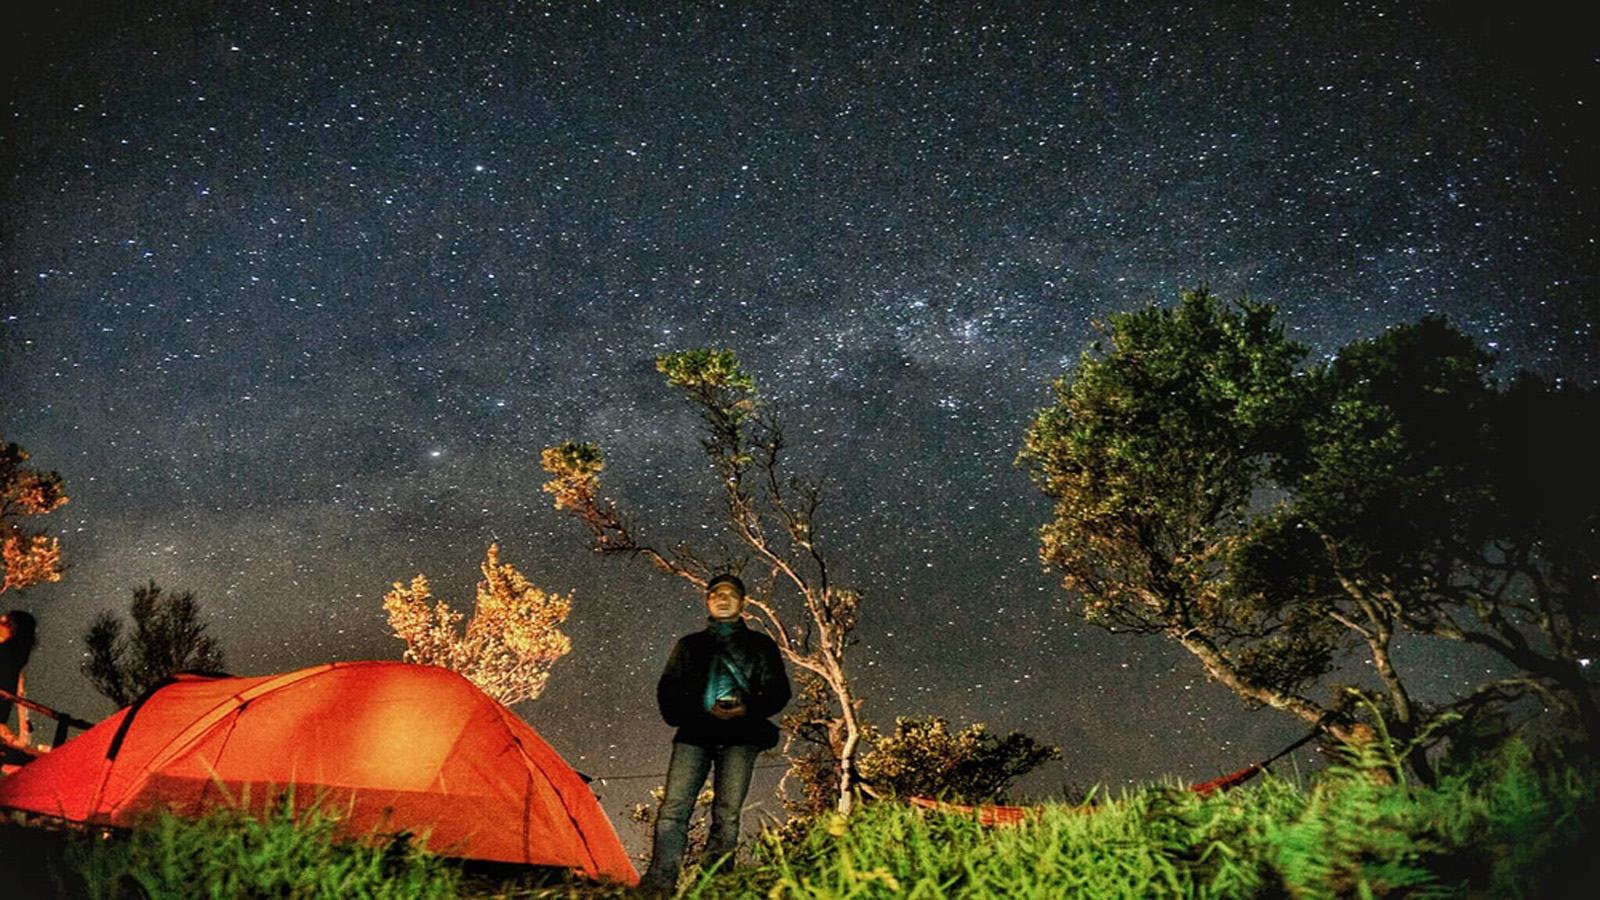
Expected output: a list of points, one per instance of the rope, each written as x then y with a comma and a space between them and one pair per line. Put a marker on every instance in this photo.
1011, 815
1252, 769
631, 776
1234, 779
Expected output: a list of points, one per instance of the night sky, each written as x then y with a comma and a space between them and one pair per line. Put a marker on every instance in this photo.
294, 294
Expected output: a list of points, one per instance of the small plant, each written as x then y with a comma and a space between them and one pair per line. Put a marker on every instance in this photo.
230, 853
1362, 832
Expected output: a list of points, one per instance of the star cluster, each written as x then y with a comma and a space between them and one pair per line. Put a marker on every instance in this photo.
295, 293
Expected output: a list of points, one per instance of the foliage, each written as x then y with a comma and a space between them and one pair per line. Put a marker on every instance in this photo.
230, 853
1276, 519
1533, 819
1512, 822
507, 648
575, 469
1361, 831
1423, 499
167, 638
30, 556
923, 758
771, 516
1354, 833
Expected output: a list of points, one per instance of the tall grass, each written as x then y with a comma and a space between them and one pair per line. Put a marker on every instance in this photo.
1501, 828
1507, 826
1156, 843
231, 854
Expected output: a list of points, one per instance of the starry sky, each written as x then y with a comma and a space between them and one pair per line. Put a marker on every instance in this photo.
294, 294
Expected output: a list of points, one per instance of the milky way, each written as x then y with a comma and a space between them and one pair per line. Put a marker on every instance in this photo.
293, 298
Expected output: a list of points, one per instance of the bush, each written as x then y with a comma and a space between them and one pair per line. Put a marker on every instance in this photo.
923, 758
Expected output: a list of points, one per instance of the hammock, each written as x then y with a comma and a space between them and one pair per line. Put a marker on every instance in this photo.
992, 814
988, 814
1227, 782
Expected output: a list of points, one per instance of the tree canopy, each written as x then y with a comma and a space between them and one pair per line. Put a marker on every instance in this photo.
30, 556
1278, 519
508, 646
924, 758
168, 637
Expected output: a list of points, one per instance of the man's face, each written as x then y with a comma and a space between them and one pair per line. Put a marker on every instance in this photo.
724, 602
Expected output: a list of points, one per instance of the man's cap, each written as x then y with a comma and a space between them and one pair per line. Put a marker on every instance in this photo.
725, 579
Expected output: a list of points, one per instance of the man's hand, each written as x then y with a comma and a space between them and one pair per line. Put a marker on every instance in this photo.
728, 712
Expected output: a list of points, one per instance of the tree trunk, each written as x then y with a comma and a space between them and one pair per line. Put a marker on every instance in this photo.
847, 751
1219, 668
1405, 714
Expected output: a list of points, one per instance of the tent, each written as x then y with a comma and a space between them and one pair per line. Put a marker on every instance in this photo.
391, 747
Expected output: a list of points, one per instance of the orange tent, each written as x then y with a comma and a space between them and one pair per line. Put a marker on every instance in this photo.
391, 747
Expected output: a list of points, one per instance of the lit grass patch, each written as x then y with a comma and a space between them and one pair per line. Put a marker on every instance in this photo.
1505, 828
1156, 843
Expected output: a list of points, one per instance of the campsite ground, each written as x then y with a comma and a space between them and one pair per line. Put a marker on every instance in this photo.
34, 865
33, 862
1513, 822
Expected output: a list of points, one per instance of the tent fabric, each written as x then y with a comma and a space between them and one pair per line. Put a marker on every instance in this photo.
390, 747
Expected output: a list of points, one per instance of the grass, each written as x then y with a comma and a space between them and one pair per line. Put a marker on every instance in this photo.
1508, 826
1502, 828
231, 854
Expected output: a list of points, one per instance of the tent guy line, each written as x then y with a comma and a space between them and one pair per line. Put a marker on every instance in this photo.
602, 779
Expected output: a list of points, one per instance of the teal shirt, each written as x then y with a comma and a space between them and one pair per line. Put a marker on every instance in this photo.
682, 693
731, 671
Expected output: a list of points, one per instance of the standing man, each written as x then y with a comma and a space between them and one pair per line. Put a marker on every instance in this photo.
720, 688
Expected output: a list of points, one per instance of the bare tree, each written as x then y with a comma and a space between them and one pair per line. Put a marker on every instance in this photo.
772, 518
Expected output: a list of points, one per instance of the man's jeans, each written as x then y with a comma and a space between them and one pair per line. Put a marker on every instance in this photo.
685, 775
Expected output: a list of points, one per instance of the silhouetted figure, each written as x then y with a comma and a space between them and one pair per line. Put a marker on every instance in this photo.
17, 630
721, 685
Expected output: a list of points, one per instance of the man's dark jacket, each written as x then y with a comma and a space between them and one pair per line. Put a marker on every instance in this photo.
681, 692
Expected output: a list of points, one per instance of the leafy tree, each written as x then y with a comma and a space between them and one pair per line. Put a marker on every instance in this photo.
1276, 519
1529, 591
506, 649
772, 518
1457, 509
30, 557
924, 759
167, 638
